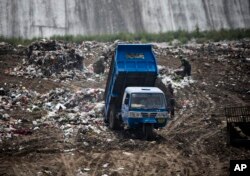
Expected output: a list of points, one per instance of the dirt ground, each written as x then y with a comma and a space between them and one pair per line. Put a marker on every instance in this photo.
193, 142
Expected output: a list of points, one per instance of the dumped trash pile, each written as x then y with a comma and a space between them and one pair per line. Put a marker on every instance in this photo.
63, 61
51, 57
62, 108
48, 58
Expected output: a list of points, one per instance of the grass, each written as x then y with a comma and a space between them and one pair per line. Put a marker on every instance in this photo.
181, 35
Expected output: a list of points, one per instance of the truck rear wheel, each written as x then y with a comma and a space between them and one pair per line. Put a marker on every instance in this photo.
113, 120
148, 131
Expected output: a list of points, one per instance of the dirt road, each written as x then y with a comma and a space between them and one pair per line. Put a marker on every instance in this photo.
193, 143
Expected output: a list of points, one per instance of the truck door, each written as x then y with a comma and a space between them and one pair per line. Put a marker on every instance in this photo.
125, 106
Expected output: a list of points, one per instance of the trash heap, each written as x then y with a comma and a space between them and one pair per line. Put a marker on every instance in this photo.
63, 109
63, 61
51, 59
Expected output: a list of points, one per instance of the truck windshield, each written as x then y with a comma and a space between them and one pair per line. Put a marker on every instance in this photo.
147, 101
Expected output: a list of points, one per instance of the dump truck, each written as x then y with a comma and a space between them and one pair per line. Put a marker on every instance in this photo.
131, 98
238, 125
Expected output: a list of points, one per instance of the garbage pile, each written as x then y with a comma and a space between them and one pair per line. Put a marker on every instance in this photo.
63, 61
53, 57
49, 58
63, 109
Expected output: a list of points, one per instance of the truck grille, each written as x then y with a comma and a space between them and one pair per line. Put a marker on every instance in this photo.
148, 114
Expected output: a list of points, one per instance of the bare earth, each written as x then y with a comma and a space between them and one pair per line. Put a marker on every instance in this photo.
193, 143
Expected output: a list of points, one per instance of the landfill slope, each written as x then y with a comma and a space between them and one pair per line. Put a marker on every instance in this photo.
51, 111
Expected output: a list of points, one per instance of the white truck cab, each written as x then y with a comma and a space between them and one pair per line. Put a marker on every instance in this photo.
144, 105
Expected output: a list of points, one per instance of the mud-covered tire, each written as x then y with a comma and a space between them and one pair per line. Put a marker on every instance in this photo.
113, 121
148, 131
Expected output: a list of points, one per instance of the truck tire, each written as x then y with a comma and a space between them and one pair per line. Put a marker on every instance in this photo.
148, 131
113, 121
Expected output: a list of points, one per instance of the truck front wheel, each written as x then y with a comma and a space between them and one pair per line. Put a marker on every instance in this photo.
148, 131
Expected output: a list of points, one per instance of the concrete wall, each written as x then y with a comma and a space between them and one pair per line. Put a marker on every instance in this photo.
33, 18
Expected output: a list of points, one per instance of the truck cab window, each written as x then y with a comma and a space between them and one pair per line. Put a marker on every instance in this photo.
147, 101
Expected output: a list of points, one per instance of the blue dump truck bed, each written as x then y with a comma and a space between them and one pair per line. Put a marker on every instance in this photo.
132, 65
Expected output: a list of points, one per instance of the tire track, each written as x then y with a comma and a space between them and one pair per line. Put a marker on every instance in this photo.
199, 108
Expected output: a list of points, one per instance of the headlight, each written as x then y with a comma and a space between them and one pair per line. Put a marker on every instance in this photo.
134, 114
162, 115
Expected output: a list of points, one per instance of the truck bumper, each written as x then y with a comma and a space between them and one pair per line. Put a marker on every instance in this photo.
158, 122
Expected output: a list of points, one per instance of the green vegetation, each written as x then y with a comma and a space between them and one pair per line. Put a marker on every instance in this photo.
181, 35
17, 41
